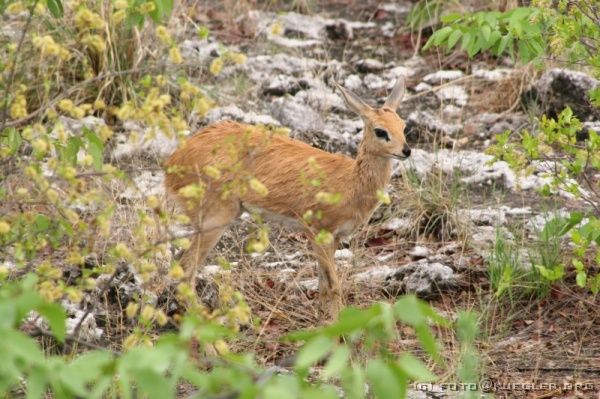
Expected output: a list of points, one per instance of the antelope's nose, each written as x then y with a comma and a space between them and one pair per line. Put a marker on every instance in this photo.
406, 151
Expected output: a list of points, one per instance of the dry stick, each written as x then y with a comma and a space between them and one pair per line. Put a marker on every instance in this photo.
13, 70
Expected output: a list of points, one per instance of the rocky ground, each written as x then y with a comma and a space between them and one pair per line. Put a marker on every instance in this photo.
449, 201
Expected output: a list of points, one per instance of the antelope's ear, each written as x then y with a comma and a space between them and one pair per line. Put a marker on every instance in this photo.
395, 97
354, 102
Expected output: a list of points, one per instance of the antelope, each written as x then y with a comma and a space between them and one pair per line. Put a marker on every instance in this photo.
288, 169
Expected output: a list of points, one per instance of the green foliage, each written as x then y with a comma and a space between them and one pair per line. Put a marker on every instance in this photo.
470, 369
509, 272
557, 139
493, 31
425, 12
564, 29
156, 371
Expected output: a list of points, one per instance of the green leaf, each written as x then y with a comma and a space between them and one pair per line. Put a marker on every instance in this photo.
55, 7
42, 223
453, 38
450, 18
203, 32
408, 311
70, 151
282, 386
95, 147
14, 140
353, 381
56, 316
153, 384
22, 346
162, 9
383, 380
87, 369
560, 226
503, 42
486, 32
441, 35
428, 341
415, 368
337, 362
313, 351
581, 279
36, 383
466, 41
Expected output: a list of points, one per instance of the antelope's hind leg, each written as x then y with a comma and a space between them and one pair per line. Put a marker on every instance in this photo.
211, 223
330, 290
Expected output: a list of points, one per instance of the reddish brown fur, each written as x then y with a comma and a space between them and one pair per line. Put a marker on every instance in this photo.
285, 166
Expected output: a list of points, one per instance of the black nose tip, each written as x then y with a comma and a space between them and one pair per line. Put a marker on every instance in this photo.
406, 151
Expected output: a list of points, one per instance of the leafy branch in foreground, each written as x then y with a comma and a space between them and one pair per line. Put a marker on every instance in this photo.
158, 369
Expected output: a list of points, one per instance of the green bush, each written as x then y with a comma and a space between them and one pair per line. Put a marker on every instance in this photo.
569, 31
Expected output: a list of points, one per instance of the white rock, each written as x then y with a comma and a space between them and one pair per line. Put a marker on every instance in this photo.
452, 111
395, 8
398, 72
422, 278
386, 257
147, 183
369, 65
322, 99
397, 224
430, 122
442, 76
297, 115
374, 82
422, 86
454, 93
153, 143
537, 222
310, 284
200, 51
232, 112
483, 217
353, 82
388, 29
374, 274
343, 254
493, 74
419, 252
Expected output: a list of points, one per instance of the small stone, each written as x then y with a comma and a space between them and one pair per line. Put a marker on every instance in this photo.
283, 84
440, 77
353, 82
561, 88
369, 65
454, 93
418, 252
232, 112
297, 115
424, 279
343, 254
374, 82
375, 274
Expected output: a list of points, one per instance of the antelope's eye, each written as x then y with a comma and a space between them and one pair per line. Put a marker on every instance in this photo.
382, 134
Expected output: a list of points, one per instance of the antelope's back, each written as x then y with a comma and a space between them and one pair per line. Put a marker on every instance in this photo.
287, 167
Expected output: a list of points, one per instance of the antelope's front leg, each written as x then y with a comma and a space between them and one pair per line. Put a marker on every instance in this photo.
330, 291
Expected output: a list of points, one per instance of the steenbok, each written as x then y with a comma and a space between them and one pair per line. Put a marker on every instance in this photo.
229, 167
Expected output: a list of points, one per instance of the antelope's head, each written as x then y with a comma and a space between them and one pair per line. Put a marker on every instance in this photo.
384, 130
